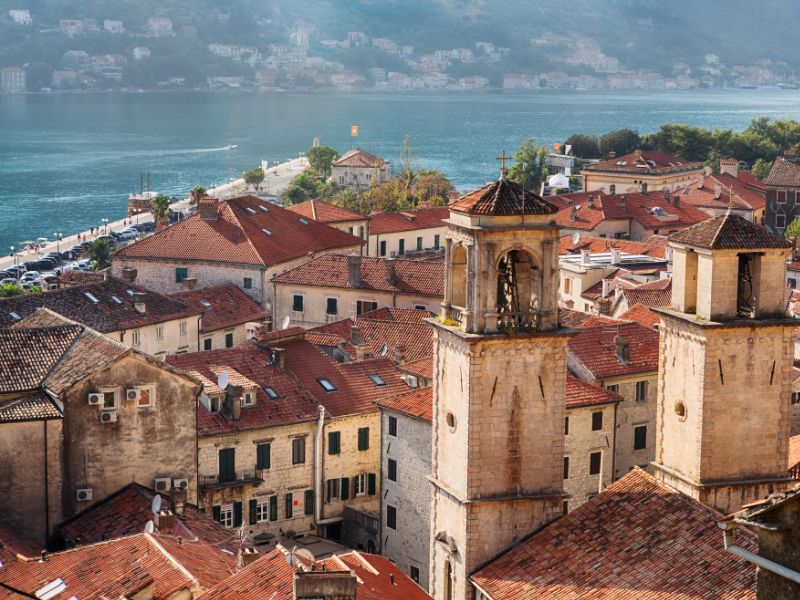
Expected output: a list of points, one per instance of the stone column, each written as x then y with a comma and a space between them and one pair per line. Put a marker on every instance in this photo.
448, 282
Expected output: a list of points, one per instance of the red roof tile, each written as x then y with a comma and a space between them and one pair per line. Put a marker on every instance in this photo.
325, 212
641, 314
416, 403
655, 294
637, 539
408, 220
422, 367
580, 394
358, 158
729, 232
595, 348
247, 231
19, 545
503, 197
229, 306
37, 406
574, 319
644, 162
654, 246
785, 172
331, 270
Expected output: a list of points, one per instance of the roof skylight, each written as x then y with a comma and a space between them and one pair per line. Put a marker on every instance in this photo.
326, 385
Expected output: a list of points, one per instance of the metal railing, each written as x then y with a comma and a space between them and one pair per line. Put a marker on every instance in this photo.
243, 477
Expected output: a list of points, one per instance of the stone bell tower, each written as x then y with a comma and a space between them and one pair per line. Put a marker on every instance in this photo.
499, 383
725, 365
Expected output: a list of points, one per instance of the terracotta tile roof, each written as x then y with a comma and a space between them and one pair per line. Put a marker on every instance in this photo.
748, 179
654, 294
358, 158
580, 394
19, 545
595, 348
729, 232
331, 270
794, 456
573, 319
375, 573
325, 212
589, 209
229, 306
401, 315
654, 246
408, 220
416, 403
637, 539
76, 277
239, 235
785, 172
422, 367
120, 568
644, 162
503, 197
750, 190
128, 510
641, 314
113, 311
29, 355
37, 406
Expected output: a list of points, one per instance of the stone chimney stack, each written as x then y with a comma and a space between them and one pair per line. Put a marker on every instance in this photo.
355, 335
391, 267
717, 192
246, 556
178, 498
208, 209
622, 349
189, 283
278, 358
729, 166
399, 354
328, 585
354, 270
165, 520
612, 155
607, 287
452, 196
586, 258
233, 402
616, 256
140, 302
129, 274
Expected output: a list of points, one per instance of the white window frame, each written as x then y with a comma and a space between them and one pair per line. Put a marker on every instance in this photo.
136, 338
160, 333
778, 196
360, 484
333, 489
151, 394
303, 302
110, 390
262, 510
646, 385
182, 328
226, 515
215, 400
248, 398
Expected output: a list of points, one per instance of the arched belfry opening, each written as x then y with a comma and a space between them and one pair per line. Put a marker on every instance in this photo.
458, 276
519, 291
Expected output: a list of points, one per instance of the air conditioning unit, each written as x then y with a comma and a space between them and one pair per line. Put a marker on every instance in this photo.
133, 394
108, 416
83, 494
180, 484
162, 484
95, 399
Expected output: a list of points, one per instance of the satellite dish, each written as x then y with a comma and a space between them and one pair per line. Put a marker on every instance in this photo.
149, 527
576, 237
222, 380
286, 320
156, 505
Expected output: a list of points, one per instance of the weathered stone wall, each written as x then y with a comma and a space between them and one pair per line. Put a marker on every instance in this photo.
631, 414
171, 341
580, 442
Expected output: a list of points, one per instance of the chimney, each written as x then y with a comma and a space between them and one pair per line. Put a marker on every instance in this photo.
622, 350
612, 189
140, 302
278, 358
233, 402
354, 270
700, 182
391, 265
399, 354
717, 191
607, 287
178, 498
165, 519
573, 213
612, 155
452, 196
729, 166
208, 208
355, 335
676, 200
616, 256
129, 274
586, 258
246, 556
189, 283
43, 555
622, 201
340, 585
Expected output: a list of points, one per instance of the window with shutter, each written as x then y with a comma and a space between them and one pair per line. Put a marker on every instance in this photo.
392, 470
263, 456
372, 484
215, 513
393, 426
289, 505
309, 502
227, 464
334, 442
640, 437
391, 516
344, 492
363, 438
273, 508
253, 511
237, 514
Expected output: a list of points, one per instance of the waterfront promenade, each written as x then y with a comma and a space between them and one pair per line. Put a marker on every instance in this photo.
276, 179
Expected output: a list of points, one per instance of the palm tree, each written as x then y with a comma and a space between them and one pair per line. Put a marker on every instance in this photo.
11, 289
160, 207
196, 193
99, 251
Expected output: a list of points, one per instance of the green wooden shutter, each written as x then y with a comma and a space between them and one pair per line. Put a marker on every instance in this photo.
215, 513
334, 442
371, 484
237, 514
252, 510
355, 486
263, 456
344, 493
363, 438
309, 502
288, 511
273, 508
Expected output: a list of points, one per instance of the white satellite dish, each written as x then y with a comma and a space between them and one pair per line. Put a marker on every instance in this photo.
156, 505
286, 320
576, 237
149, 527
222, 380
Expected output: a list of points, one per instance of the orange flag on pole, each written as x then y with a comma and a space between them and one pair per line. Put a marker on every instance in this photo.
353, 130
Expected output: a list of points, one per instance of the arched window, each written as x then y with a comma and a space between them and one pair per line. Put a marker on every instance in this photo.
458, 276
519, 290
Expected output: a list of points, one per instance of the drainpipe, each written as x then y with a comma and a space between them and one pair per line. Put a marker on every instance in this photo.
755, 558
318, 487
46, 487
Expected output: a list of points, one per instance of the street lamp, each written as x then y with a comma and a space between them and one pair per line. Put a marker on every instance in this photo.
58, 236
105, 225
14, 254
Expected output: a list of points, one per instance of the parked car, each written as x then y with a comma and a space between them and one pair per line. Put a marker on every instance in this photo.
7, 280
84, 265
17, 271
30, 275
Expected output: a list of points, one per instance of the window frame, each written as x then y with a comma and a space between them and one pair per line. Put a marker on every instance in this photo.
225, 515
151, 396
263, 449
392, 426
360, 485
298, 300
391, 470
637, 439
334, 443
420, 243
592, 455
401, 247
248, 398
114, 391
566, 467
333, 489
641, 384
247, 283
597, 420
181, 273
298, 451
229, 340
391, 517
207, 343
330, 301
326, 384
262, 510
136, 338
159, 333
182, 328
363, 439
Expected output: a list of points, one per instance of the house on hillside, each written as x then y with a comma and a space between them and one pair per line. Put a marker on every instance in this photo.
640, 171
358, 170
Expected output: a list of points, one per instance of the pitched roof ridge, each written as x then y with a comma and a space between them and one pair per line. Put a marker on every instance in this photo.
367, 565
175, 562
238, 224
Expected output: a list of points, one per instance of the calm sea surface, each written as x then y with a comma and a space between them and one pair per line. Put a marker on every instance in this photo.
67, 161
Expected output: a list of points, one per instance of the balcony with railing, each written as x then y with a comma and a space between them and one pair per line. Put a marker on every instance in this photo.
234, 479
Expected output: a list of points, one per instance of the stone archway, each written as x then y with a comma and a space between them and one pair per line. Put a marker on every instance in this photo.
519, 292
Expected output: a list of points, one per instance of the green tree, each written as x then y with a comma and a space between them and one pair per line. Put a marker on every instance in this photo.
761, 168
684, 141
99, 251
11, 289
793, 230
160, 209
432, 186
196, 193
254, 177
304, 186
293, 194
620, 141
583, 146
529, 168
321, 158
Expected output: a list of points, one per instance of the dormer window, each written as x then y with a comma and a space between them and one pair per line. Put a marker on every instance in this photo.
249, 398
15, 316
250, 210
91, 297
326, 385
215, 404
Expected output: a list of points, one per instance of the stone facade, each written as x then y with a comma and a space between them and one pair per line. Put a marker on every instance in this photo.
632, 413
161, 339
407, 544
633, 182
580, 442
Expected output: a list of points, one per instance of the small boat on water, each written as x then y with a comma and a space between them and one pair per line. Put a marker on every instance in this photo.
231, 146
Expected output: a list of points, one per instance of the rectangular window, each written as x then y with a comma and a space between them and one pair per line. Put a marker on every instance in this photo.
597, 421
413, 572
613, 388
640, 437
229, 340
437, 241
147, 397
780, 220
361, 231
271, 392
566, 425
326, 385
297, 303
419, 242
308, 502
262, 510
594, 463
289, 506
226, 515
109, 399
160, 333
331, 306
364, 306
567, 285
215, 404
393, 426
641, 391
136, 338
273, 508
391, 517
182, 328
332, 489
795, 397
360, 485
298, 451
780, 196
566, 467
334, 442
344, 488
207, 344
227, 464
383, 248
181, 273
363, 438
248, 398
263, 456
248, 283
401, 249
392, 470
